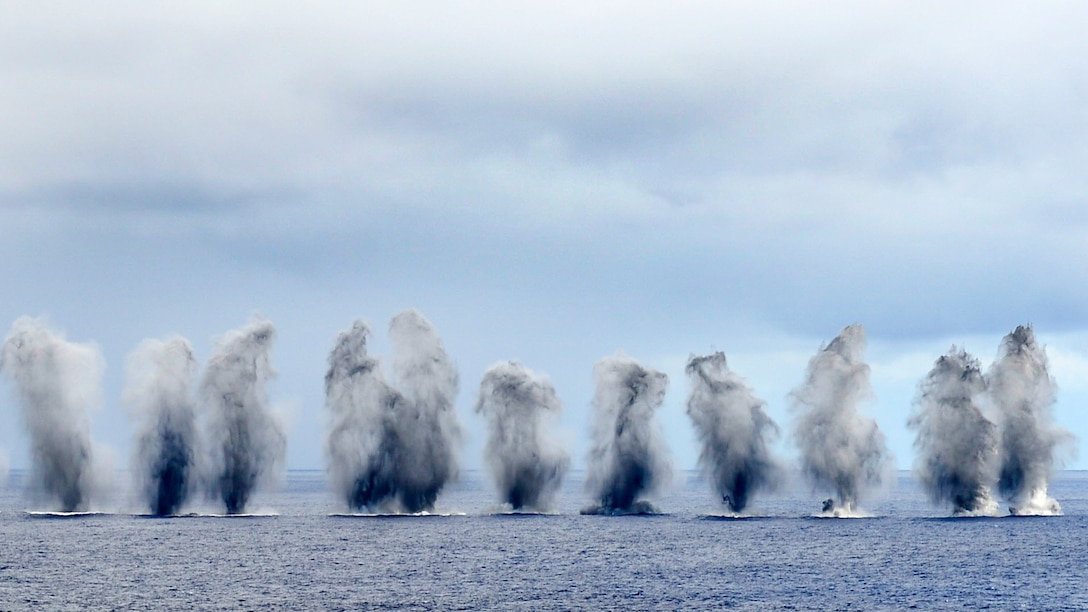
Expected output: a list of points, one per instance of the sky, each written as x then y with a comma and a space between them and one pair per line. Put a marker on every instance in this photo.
552, 183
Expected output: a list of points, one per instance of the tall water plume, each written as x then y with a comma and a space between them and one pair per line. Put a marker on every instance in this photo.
427, 422
362, 443
57, 383
841, 450
733, 429
628, 458
1022, 393
160, 391
527, 465
956, 443
246, 440
391, 448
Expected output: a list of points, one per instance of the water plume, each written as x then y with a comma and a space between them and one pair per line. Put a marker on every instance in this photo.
246, 440
56, 383
628, 458
956, 443
841, 450
391, 448
361, 447
1022, 393
160, 391
427, 426
733, 429
527, 466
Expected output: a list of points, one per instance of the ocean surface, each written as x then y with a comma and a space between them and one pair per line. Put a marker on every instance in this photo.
297, 554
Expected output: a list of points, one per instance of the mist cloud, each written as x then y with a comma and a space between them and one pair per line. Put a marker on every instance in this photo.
956, 443
57, 383
841, 450
527, 464
734, 431
392, 447
161, 393
628, 459
1023, 394
246, 440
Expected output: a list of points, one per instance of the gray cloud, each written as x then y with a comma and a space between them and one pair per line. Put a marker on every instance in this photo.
724, 90
681, 166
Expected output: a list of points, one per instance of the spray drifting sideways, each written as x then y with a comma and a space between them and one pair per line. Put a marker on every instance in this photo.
733, 429
628, 458
57, 382
527, 467
392, 448
160, 386
1022, 393
956, 443
246, 439
841, 450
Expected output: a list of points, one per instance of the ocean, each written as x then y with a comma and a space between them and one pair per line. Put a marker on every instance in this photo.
298, 552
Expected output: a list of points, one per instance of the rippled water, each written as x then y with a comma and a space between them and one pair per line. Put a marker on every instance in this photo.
907, 555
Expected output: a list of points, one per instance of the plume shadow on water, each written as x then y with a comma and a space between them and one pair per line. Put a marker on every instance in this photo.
639, 508
520, 514
964, 518
738, 517
205, 515
395, 515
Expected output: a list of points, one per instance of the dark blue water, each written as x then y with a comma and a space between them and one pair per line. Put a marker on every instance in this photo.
907, 556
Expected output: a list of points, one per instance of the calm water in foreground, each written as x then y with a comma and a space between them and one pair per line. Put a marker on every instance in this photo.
907, 555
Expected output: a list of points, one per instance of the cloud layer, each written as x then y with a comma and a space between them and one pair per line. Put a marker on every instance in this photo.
700, 169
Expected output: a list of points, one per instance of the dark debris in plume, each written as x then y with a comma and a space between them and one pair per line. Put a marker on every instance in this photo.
391, 449
628, 458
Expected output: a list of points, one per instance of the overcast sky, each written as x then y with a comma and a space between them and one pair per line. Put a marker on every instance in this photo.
550, 182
